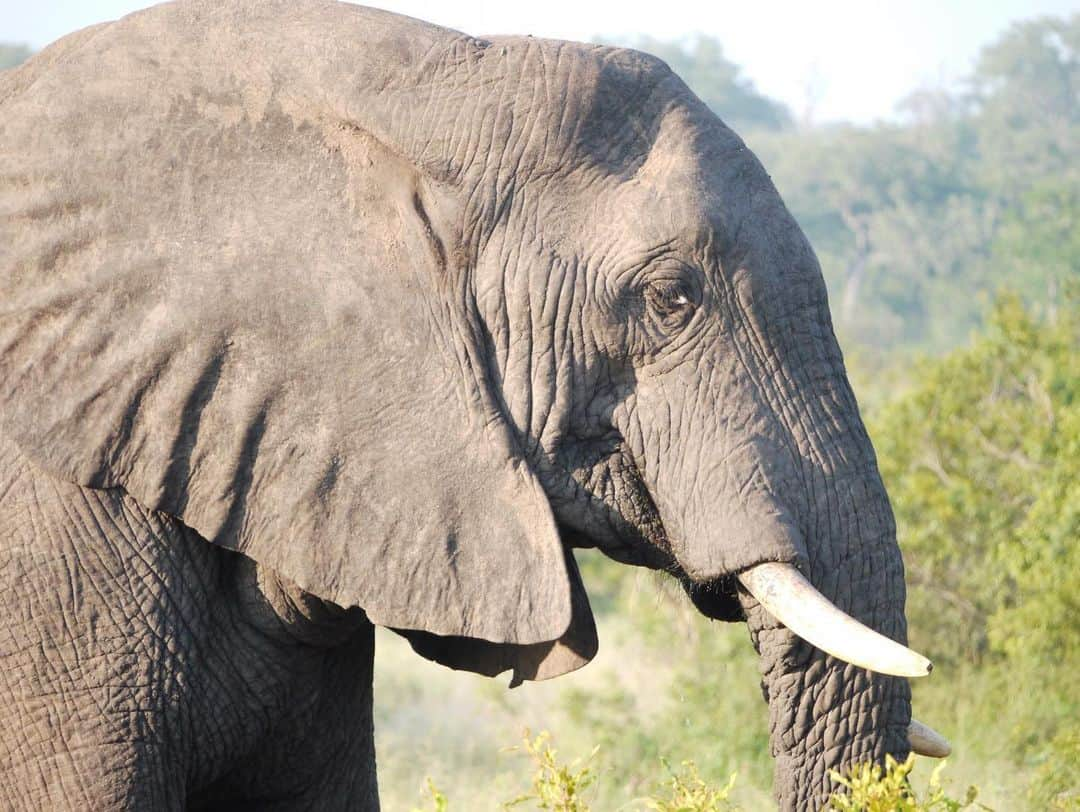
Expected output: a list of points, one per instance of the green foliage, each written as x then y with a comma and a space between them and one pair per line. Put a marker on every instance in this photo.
1025, 94
917, 225
685, 791
1057, 781
873, 788
1039, 232
556, 786
439, 802
900, 224
562, 787
982, 460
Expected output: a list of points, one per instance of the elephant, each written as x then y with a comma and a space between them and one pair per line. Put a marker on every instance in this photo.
316, 318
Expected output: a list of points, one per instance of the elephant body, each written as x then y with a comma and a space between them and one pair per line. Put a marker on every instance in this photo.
146, 669
314, 318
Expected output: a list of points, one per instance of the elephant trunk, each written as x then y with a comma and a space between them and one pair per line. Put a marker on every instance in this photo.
825, 713
808, 544
788, 509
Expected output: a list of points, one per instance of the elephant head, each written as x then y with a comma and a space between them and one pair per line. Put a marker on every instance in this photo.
405, 315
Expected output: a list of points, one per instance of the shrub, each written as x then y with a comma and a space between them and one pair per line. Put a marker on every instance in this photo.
555, 787
439, 802
686, 791
873, 788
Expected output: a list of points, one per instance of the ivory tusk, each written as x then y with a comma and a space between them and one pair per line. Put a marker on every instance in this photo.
926, 741
792, 600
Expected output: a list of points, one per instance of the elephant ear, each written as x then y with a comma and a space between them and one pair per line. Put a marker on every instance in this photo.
539, 661
256, 319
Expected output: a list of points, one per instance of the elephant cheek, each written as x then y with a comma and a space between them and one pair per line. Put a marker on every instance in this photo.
731, 516
724, 545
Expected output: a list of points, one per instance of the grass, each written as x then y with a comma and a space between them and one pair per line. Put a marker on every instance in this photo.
667, 686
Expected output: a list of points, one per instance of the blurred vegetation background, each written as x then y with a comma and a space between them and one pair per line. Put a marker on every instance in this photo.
950, 242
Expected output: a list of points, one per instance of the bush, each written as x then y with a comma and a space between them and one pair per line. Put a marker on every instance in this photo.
981, 457
563, 786
555, 787
685, 791
873, 788
439, 802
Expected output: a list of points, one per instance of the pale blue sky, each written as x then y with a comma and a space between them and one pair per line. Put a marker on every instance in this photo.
854, 58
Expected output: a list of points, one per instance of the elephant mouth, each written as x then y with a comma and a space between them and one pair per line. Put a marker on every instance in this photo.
780, 588
792, 600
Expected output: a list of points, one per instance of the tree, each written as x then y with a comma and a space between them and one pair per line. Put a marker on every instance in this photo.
12, 54
718, 82
900, 225
1026, 91
918, 224
982, 461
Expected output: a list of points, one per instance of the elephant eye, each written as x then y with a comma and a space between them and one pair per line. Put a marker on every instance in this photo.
670, 301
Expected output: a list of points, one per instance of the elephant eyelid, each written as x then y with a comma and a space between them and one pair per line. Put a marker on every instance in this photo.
672, 293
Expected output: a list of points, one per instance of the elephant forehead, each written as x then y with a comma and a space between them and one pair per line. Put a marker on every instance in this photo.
696, 172
683, 194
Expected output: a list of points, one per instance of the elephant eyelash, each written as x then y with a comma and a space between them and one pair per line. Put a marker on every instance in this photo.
668, 296
671, 302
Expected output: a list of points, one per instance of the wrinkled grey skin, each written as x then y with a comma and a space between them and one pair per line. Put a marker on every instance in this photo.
313, 317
